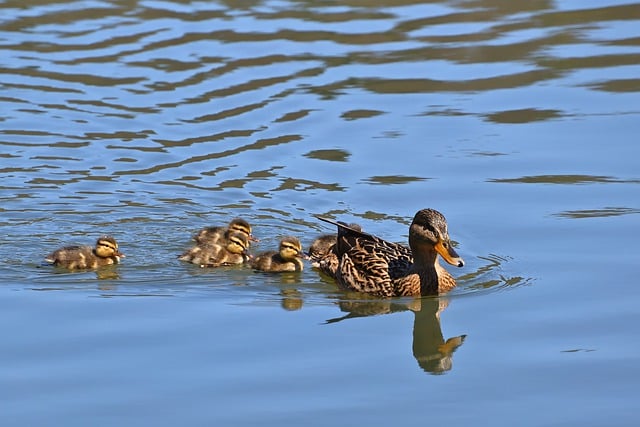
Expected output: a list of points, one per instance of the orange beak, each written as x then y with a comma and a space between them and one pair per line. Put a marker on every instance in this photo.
449, 254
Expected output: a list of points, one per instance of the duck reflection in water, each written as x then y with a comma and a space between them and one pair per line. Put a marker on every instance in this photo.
433, 353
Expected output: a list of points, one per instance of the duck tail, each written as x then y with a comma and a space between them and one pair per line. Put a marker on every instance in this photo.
343, 227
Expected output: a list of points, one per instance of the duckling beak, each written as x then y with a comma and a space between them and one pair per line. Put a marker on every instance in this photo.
120, 254
253, 238
449, 254
302, 255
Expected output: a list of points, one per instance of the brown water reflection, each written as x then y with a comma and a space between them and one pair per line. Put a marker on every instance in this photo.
566, 179
524, 115
433, 353
597, 213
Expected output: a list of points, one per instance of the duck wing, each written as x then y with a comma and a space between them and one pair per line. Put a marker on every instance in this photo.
368, 263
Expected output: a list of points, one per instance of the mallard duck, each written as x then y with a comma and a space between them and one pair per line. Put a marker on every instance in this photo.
370, 264
288, 258
220, 234
83, 257
216, 255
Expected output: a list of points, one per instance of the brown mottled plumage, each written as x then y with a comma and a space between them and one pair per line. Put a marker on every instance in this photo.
216, 255
84, 257
288, 258
220, 235
369, 264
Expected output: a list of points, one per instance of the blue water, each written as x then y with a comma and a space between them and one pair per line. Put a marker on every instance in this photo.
148, 121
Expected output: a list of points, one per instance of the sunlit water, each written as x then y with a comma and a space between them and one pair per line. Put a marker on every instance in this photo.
148, 120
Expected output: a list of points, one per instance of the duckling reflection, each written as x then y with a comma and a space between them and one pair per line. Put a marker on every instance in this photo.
291, 299
107, 273
433, 353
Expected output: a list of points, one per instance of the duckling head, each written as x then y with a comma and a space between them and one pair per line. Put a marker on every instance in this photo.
290, 249
238, 243
107, 247
239, 225
428, 235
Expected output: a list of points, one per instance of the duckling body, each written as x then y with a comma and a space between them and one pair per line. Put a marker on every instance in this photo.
287, 258
369, 264
234, 251
220, 234
320, 247
322, 251
86, 257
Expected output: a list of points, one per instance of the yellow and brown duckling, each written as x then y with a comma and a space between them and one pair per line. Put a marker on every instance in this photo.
288, 258
86, 257
220, 234
369, 264
234, 251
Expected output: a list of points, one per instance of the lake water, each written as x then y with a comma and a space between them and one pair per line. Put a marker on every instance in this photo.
149, 120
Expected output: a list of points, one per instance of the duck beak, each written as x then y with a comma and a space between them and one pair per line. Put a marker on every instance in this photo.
449, 254
120, 254
253, 238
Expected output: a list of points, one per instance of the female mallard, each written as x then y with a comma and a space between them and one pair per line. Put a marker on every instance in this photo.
375, 266
216, 255
288, 258
83, 257
220, 235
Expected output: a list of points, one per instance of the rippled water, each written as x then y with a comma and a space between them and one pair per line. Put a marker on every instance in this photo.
148, 120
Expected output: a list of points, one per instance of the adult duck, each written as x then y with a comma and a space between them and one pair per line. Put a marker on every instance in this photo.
369, 264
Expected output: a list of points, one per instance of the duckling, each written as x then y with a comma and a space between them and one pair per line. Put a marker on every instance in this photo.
322, 253
234, 251
367, 263
220, 235
320, 247
288, 258
85, 257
